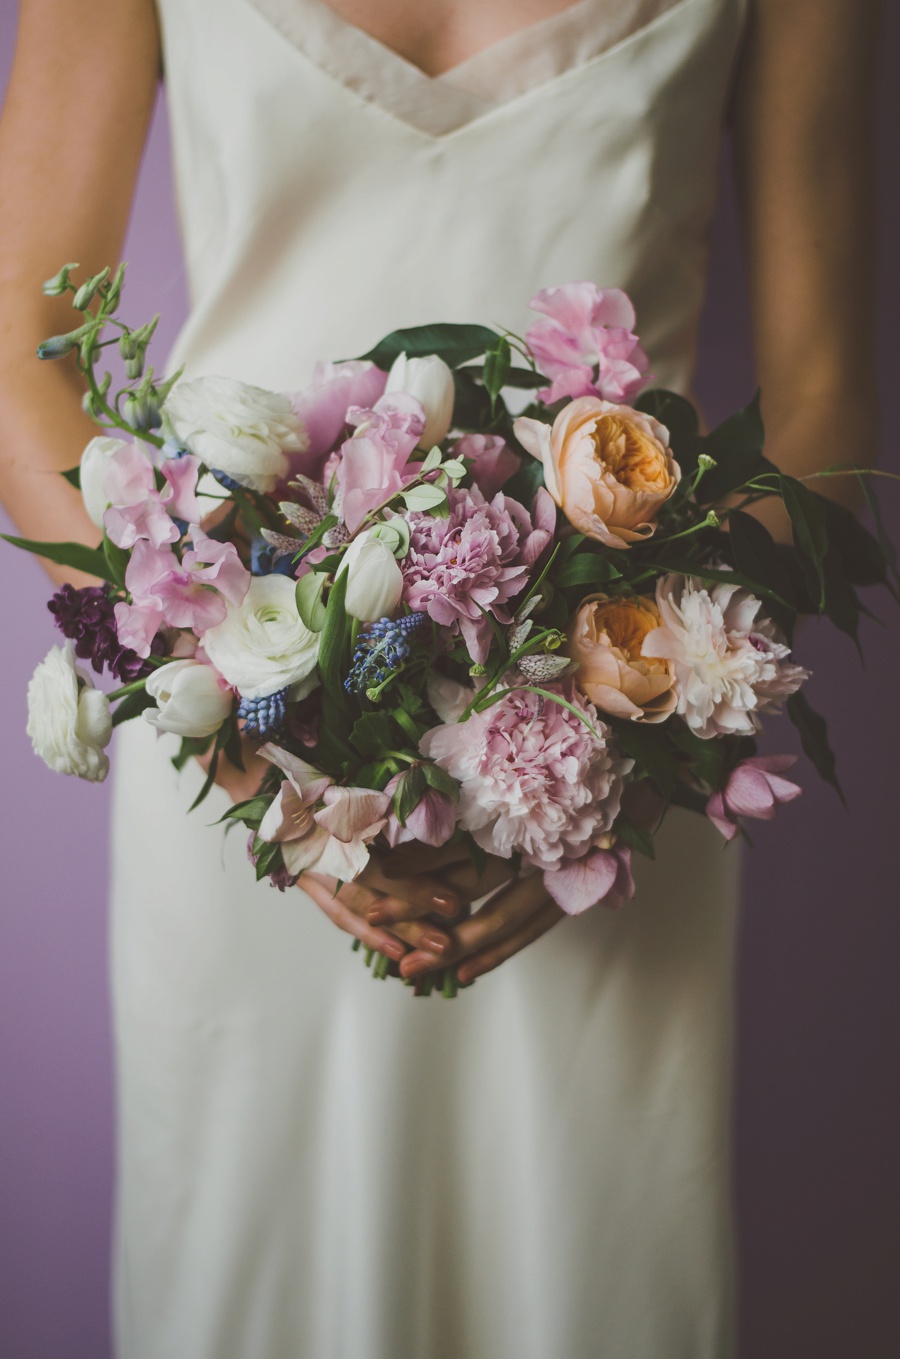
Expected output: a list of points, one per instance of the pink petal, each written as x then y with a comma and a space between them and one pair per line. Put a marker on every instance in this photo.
301, 855
180, 498
350, 811
187, 604
433, 819
137, 624
148, 564
129, 478
747, 793
127, 524
343, 859
309, 782
715, 810
584, 882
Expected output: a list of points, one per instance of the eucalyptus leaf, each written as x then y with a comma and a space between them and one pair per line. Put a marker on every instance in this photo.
424, 497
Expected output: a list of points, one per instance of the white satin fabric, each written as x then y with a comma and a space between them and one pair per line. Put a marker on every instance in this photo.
313, 1164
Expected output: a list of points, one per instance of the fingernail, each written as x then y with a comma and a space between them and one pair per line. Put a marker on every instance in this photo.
394, 949
446, 905
437, 942
377, 916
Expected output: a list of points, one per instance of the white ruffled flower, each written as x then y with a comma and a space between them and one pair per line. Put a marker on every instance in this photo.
95, 462
245, 432
190, 697
430, 381
68, 718
262, 645
730, 663
374, 580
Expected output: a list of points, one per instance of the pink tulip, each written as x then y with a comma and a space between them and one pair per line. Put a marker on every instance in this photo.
754, 789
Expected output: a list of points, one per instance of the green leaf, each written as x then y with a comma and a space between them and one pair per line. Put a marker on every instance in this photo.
679, 418
250, 812
736, 447
586, 568
372, 734
471, 403
411, 788
809, 521
231, 742
309, 599
756, 556
636, 837
709, 759
91, 560
333, 657
132, 705
814, 739
649, 748
497, 365
859, 552
73, 477
268, 858
887, 546
424, 497
117, 560
705, 573
455, 344
190, 747
442, 782
525, 484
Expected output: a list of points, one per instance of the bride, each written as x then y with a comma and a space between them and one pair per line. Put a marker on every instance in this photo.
309, 1164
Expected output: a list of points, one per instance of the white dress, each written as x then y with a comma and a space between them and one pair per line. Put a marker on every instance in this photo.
314, 1164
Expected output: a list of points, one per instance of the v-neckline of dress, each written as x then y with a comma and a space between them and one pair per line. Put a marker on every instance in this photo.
500, 74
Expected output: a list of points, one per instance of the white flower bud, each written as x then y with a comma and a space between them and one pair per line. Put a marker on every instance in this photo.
430, 381
191, 699
68, 719
374, 580
92, 474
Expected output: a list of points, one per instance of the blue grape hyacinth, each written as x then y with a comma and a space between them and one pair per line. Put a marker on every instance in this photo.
263, 717
381, 651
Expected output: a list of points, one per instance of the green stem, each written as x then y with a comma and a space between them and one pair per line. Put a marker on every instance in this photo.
450, 987
131, 688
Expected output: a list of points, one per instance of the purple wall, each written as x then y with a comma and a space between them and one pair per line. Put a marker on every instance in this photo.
817, 1114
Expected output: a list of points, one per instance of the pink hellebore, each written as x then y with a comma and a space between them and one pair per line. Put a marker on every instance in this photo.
755, 788
319, 825
585, 343
323, 405
602, 877
191, 593
493, 461
137, 510
375, 461
432, 821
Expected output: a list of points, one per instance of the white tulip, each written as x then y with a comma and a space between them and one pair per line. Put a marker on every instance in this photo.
245, 432
374, 580
430, 381
262, 645
191, 700
92, 474
68, 719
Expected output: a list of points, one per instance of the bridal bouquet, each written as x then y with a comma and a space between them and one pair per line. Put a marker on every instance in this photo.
438, 619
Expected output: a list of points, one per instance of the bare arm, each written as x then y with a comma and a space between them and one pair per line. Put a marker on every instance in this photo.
804, 135
71, 136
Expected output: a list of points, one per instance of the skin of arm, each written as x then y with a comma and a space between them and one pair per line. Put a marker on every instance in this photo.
77, 111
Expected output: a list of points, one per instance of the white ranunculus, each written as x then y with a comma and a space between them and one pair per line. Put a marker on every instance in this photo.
92, 474
68, 719
191, 699
374, 580
430, 381
262, 645
242, 431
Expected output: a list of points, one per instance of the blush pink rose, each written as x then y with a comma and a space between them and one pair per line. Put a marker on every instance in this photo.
608, 467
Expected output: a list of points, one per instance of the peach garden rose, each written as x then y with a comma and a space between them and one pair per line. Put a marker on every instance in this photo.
606, 638
608, 467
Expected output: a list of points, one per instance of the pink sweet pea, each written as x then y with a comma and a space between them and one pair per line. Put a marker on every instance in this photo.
602, 877
493, 461
585, 343
323, 407
755, 789
137, 510
432, 821
374, 463
187, 594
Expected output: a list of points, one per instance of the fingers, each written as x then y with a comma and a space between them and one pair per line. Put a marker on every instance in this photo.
470, 885
487, 959
401, 898
323, 895
503, 915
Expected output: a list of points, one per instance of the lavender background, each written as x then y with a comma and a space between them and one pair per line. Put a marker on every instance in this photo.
817, 1112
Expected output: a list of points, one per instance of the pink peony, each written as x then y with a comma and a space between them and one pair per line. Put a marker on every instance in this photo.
374, 463
756, 789
729, 661
534, 778
480, 555
585, 343
322, 407
493, 460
